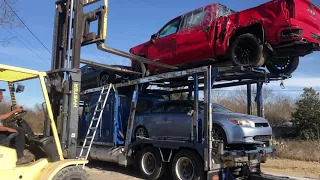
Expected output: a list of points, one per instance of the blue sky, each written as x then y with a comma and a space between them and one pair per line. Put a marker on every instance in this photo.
130, 23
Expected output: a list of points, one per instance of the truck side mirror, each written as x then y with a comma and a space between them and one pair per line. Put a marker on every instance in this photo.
20, 88
153, 37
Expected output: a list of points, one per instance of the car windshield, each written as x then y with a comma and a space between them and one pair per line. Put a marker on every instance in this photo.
215, 108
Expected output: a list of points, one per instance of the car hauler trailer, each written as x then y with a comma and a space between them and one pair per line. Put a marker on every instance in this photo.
201, 156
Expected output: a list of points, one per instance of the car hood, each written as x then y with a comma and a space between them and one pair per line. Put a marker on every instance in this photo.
224, 116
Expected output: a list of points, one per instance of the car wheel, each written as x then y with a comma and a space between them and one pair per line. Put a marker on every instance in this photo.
104, 79
219, 134
283, 65
187, 165
150, 163
247, 50
141, 132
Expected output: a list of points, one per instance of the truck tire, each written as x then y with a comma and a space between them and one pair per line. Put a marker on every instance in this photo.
72, 173
187, 165
150, 164
141, 67
283, 66
247, 50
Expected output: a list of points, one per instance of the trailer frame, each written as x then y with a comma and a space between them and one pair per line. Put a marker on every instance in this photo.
203, 145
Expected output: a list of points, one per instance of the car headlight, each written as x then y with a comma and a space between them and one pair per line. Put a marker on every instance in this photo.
240, 122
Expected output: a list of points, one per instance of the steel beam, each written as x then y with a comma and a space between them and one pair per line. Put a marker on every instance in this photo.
207, 119
259, 99
108, 67
134, 102
105, 48
163, 76
194, 126
249, 100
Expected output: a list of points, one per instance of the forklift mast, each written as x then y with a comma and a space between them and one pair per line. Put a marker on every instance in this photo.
71, 32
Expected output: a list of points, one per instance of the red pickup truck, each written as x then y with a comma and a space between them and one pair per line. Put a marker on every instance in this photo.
272, 35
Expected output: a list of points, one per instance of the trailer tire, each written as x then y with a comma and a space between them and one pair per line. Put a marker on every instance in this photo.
184, 161
151, 165
72, 172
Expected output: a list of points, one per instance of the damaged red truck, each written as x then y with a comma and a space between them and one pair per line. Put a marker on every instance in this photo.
272, 35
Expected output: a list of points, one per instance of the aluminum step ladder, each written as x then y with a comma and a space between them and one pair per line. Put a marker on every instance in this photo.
95, 121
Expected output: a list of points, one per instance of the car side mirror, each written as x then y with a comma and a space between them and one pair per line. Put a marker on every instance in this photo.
190, 112
153, 37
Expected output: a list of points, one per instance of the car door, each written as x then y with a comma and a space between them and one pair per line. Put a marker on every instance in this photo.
163, 49
177, 120
154, 121
193, 39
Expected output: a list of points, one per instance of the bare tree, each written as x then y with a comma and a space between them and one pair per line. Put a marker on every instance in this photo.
8, 18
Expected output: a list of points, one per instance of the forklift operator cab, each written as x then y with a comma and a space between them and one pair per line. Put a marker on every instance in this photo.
49, 163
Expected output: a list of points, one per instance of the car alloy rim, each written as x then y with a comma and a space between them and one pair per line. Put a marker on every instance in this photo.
104, 80
217, 133
184, 168
141, 132
148, 163
244, 52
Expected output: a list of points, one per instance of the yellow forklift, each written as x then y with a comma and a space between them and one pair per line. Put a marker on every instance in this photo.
49, 162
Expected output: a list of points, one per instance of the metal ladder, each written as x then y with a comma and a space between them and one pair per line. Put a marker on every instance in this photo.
95, 121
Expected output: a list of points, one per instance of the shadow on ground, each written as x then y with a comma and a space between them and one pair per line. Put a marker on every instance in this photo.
107, 167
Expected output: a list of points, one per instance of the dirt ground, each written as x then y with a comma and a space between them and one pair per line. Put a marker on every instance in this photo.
292, 167
279, 167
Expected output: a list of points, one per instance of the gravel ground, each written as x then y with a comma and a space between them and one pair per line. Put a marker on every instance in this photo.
103, 170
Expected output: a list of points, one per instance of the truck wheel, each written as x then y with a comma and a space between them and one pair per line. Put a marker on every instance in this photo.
72, 173
151, 165
187, 165
141, 67
283, 65
247, 50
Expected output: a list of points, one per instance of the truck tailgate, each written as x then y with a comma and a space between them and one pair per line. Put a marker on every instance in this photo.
306, 11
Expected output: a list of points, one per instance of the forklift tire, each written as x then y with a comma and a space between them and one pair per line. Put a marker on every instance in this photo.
150, 164
187, 165
72, 172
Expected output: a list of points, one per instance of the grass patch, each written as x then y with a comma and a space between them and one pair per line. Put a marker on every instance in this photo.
297, 150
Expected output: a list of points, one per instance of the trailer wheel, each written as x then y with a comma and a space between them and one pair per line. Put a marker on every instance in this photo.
72, 173
187, 165
151, 165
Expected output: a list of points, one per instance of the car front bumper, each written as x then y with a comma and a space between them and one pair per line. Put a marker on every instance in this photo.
249, 135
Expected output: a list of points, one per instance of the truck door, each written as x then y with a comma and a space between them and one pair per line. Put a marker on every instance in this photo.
193, 39
164, 47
